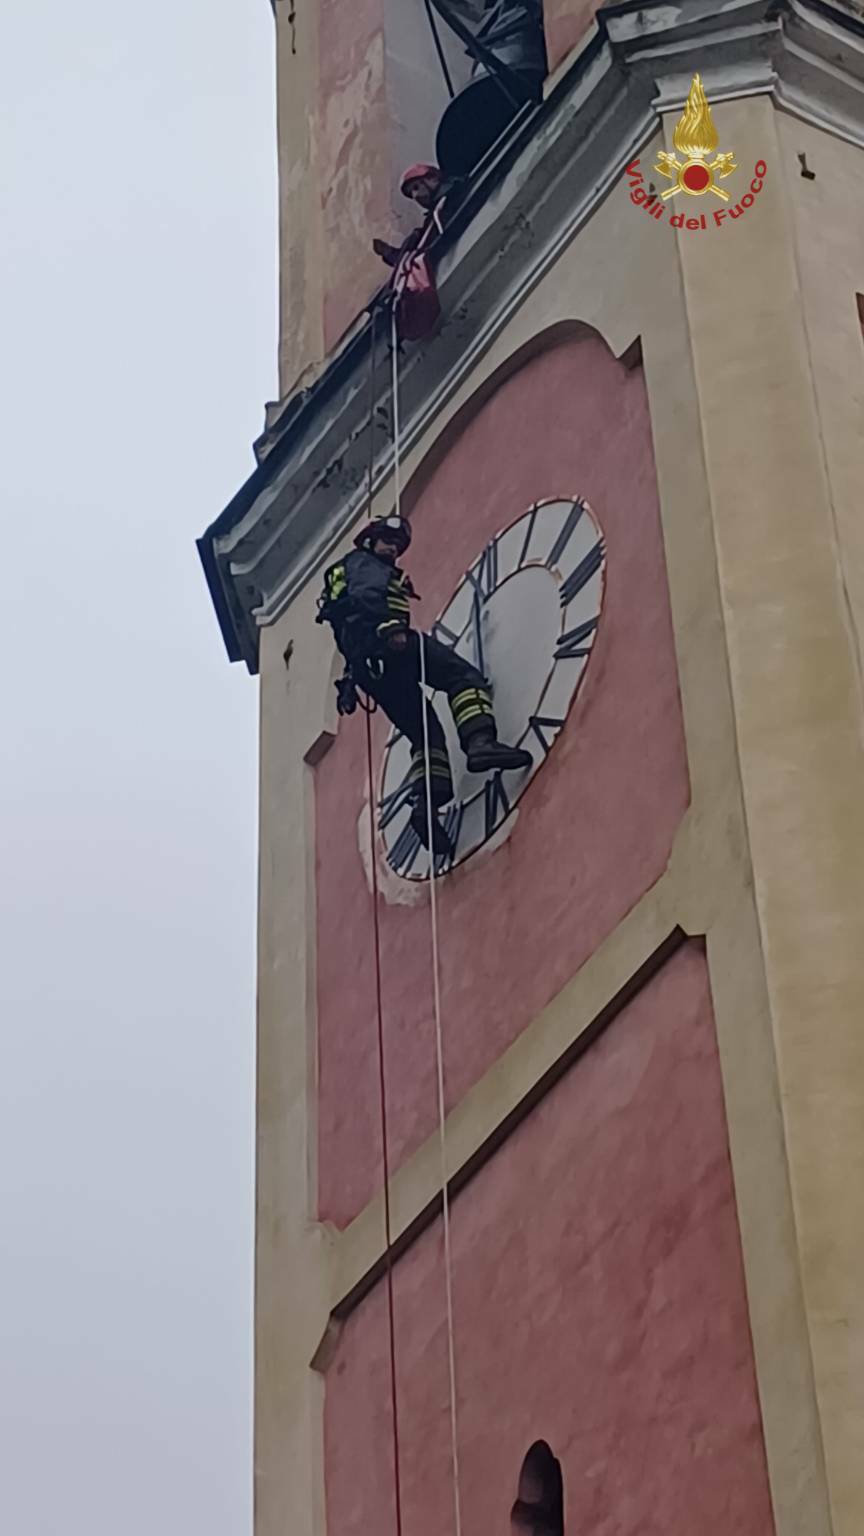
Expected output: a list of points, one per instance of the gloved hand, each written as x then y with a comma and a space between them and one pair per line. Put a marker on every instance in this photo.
346, 696
397, 639
387, 252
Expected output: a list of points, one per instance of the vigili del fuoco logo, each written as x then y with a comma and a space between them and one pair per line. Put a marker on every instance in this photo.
695, 174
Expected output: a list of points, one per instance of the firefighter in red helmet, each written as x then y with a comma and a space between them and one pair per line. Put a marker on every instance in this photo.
367, 599
425, 186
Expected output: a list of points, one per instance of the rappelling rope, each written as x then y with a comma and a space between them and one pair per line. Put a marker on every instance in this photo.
388, 1228
436, 969
382, 1088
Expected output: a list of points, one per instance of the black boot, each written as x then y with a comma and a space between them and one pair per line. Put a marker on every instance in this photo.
485, 753
442, 847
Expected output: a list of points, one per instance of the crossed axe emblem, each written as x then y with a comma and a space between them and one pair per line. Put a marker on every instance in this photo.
696, 138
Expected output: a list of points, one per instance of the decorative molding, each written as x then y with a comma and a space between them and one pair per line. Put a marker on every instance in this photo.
557, 165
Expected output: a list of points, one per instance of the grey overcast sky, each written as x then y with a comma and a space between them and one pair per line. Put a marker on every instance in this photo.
137, 347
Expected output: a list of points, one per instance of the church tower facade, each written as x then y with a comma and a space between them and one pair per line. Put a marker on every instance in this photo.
610, 1049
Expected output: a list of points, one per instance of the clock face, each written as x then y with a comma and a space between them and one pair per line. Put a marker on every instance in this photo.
526, 615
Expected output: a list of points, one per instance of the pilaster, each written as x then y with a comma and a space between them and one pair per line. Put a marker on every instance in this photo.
798, 722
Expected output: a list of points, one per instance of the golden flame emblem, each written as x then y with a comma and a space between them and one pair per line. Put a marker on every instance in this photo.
695, 137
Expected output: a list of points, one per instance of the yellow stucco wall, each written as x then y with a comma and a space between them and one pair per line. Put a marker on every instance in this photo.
797, 698
301, 240
828, 219
749, 347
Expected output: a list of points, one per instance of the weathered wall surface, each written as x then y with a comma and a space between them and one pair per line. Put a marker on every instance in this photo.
360, 96
354, 131
787, 554
566, 22
599, 1302
301, 250
593, 831
828, 213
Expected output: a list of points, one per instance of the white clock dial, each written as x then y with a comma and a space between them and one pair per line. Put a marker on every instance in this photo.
526, 614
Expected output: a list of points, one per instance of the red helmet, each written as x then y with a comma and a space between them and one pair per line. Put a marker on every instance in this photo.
417, 173
394, 528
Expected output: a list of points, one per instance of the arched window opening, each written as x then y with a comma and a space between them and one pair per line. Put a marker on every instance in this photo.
505, 42
539, 1506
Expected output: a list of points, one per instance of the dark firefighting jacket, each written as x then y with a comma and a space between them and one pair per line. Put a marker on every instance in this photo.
365, 599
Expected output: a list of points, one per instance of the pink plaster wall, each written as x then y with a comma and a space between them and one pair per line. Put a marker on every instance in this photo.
599, 1303
594, 829
566, 22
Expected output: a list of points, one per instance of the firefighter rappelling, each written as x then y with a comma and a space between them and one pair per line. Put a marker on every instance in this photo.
367, 599
366, 596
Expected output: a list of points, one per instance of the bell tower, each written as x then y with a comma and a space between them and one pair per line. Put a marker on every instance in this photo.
561, 1136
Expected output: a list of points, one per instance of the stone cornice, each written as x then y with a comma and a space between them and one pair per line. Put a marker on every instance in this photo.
526, 202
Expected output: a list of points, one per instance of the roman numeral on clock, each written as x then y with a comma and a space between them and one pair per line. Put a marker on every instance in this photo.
477, 617
540, 724
404, 850
579, 577
495, 799
452, 825
570, 645
445, 635
391, 804
530, 529
487, 575
563, 538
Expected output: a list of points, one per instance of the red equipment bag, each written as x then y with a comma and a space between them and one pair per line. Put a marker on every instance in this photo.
417, 307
